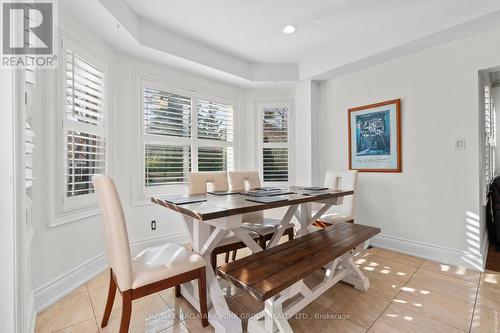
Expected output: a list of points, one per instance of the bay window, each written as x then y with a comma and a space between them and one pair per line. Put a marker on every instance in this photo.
183, 131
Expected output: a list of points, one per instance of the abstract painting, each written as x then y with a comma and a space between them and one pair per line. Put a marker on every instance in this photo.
375, 137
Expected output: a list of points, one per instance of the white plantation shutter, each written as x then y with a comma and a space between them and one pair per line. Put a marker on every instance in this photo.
275, 121
275, 164
183, 132
84, 124
30, 87
166, 164
490, 136
86, 156
275, 124
215, 158
84, 91
215, 121
167, 114
29, 135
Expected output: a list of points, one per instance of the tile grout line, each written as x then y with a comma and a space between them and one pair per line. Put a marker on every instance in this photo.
475, 301
396, 295
329, 310
352, 321
92, 305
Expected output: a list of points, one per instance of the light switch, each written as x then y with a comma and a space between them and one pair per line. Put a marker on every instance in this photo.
460, 144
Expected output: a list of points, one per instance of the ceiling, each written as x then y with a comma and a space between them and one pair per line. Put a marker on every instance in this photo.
252, 29
243, 39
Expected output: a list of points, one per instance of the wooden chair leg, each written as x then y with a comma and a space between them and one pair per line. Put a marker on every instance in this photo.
213, 261
126, 311
178, 290
290, 235
110, 300
202, 288
226, 258
262, 242
233, 257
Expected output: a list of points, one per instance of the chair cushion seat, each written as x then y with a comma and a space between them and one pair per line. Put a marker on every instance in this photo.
335, 218
162, 262
263, 226
231, 238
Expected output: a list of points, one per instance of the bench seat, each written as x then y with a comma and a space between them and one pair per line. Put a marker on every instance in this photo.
269, 272
276, 274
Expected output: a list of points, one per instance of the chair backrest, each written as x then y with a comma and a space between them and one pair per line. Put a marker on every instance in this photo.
244, 180
118, 249
345, 180
199, 181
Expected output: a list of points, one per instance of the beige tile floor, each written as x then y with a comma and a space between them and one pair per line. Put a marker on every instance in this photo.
407, 294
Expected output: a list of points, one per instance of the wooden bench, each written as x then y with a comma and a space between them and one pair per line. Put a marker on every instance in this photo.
276, 274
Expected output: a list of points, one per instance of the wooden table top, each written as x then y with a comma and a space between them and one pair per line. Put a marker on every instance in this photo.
217, 206
265, 274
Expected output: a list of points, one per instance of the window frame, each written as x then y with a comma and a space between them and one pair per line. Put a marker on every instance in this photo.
66, 209
194, 142
278, 103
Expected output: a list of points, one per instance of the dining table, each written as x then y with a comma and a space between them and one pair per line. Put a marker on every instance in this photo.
210, 217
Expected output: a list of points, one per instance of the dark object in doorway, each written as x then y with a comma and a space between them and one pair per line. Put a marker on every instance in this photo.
493, 213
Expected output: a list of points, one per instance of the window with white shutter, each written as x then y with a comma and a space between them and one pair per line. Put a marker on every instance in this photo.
84, 123
275, 142
183, 132
490, 136
30, 87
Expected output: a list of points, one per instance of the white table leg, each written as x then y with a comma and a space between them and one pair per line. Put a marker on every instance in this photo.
220, 317
284, 224
305, 216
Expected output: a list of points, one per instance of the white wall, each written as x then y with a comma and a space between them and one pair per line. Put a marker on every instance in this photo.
7, 204
66, 255
432, 208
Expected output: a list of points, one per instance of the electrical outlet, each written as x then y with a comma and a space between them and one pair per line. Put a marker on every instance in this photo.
153, 225
460, 144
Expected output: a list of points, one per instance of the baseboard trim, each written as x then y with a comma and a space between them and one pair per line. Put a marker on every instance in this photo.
445, 255
59, 287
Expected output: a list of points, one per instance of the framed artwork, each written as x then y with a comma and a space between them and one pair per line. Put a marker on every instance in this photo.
375, 137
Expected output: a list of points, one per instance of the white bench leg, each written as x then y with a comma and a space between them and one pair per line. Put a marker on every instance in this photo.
275, 318
354, 274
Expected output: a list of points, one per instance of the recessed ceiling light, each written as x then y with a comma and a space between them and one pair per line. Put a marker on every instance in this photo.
289, 29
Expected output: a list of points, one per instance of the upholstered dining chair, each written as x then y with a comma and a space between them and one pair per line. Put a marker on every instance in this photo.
255, 221
199, 182
152, 270
346, 180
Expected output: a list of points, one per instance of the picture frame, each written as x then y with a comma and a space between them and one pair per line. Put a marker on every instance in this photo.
375, 137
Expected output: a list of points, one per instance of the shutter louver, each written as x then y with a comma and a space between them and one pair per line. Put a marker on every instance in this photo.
275, 124
215, 159
85, 157
490, 136
275, 164
29, 134
166, 164
84, 91
167, 114
215, 121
